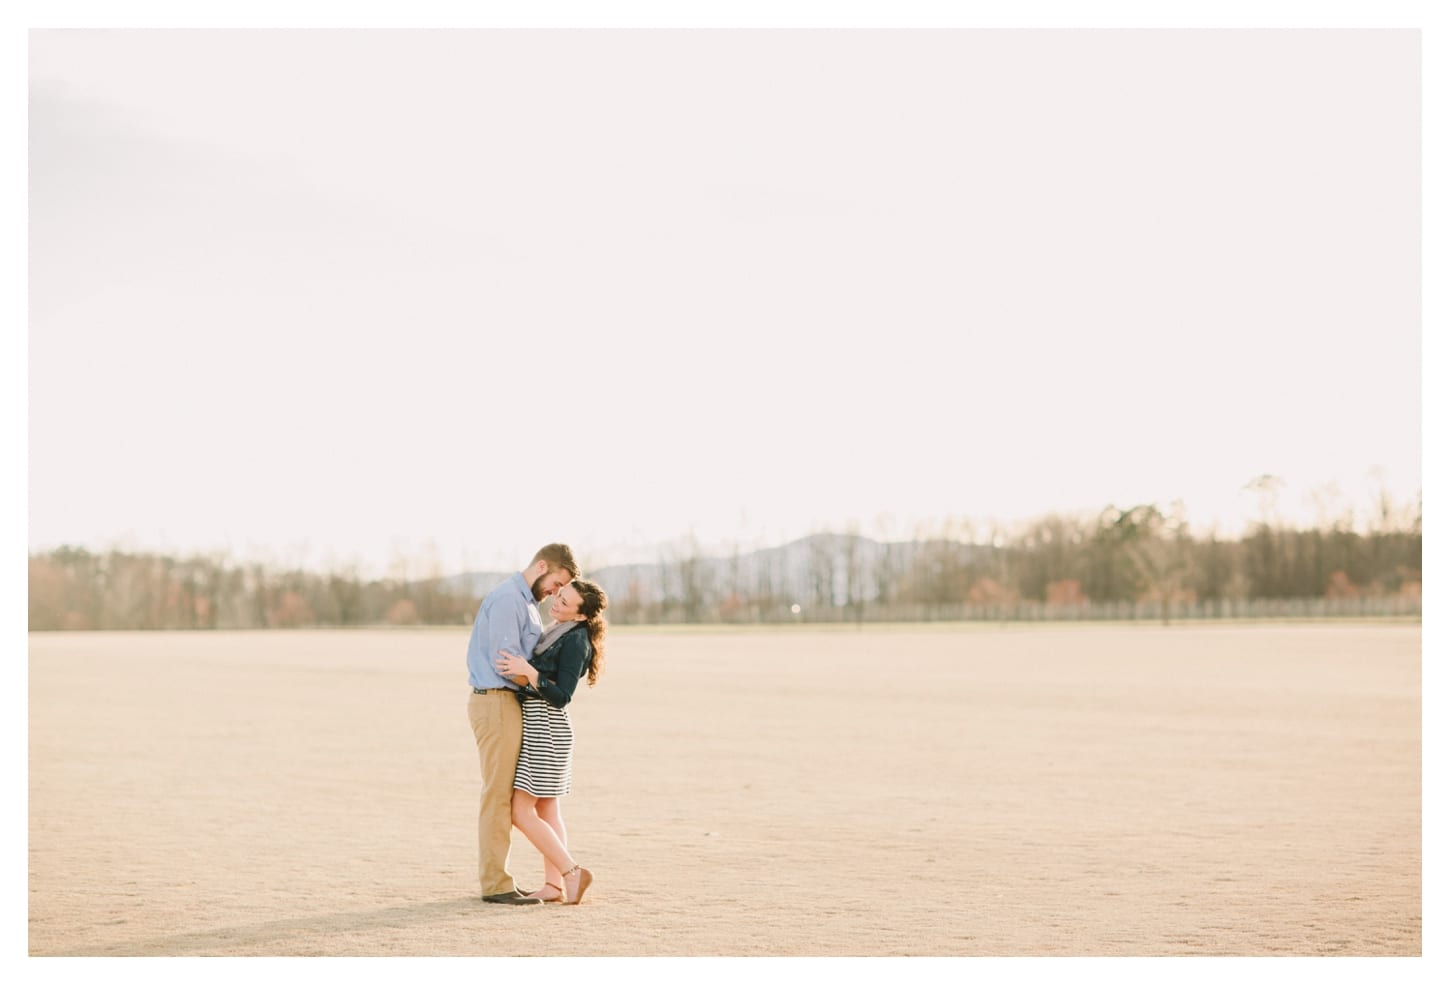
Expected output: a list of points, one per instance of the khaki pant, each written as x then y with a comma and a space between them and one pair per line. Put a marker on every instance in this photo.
498, 729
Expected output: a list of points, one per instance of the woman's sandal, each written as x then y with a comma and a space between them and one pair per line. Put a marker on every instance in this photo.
585, 878
549, 899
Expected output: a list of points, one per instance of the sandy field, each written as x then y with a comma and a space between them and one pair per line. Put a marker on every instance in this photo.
932, 790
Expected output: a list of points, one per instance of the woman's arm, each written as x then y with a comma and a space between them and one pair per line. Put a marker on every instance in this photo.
573, 654
516, 669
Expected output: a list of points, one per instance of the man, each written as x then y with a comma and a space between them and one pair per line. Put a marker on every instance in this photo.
508, 619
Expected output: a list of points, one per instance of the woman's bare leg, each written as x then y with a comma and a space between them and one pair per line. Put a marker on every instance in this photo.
548, 810
540, 834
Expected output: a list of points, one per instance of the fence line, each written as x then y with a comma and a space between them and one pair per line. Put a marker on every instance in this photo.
1154, 611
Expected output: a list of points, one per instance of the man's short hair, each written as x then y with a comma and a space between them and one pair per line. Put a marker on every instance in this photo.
558, 556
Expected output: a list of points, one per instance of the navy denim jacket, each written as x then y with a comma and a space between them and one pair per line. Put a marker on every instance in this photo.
560, 667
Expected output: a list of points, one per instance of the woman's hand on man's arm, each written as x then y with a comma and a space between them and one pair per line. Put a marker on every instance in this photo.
516, 669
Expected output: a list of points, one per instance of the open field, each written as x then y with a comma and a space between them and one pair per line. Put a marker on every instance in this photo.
985, 790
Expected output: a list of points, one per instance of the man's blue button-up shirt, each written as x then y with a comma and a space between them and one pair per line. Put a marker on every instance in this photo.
509, 620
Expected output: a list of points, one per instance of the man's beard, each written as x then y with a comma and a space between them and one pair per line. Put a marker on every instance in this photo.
538, 590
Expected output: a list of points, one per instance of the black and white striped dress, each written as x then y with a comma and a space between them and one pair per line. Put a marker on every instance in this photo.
546, 756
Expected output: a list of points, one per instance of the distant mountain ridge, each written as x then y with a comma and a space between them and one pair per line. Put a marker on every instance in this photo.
826, 569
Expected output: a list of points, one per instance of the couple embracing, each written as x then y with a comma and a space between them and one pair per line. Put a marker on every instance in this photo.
523, 677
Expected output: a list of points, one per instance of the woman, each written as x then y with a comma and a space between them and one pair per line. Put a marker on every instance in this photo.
571, 648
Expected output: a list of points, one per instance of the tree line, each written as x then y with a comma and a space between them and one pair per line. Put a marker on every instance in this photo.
75, 589
1057, 564
1120, 563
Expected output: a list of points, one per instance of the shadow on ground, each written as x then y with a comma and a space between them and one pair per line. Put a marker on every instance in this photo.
316, 934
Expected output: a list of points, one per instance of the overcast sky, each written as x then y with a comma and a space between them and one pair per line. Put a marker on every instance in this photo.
342, 295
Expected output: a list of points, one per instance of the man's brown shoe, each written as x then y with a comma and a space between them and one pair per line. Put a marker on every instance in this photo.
514, 898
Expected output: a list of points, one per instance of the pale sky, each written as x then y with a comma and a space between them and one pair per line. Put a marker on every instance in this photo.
327, 296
